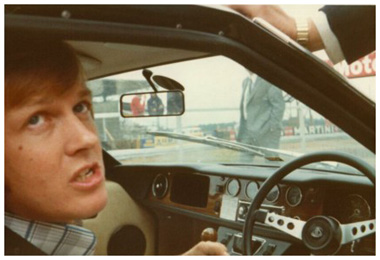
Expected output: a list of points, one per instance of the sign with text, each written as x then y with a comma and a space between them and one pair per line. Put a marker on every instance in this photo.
364, 67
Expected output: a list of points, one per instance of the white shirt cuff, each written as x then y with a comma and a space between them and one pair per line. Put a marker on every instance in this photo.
330, 41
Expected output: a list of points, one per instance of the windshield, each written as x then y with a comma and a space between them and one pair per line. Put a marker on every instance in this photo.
223, 100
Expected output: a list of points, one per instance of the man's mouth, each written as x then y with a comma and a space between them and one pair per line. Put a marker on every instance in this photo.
88, 177
85, 174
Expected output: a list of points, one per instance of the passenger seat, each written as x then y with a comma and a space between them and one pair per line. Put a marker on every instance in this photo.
122, 227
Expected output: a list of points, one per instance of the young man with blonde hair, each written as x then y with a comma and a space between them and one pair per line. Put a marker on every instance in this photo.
54, 171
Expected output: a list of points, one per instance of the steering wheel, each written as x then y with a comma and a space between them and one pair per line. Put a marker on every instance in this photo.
322, 235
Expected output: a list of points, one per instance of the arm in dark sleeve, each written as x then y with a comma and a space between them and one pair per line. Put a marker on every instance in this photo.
354, 26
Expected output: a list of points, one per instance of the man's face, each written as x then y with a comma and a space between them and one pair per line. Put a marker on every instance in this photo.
53, 159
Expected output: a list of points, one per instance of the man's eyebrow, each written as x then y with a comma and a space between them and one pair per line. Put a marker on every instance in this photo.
39, 100
85, 92
44, 99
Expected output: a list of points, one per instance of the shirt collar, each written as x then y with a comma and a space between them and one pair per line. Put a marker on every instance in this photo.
51, 238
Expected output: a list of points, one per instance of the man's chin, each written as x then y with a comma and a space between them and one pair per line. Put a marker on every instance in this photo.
100, 205
91, 210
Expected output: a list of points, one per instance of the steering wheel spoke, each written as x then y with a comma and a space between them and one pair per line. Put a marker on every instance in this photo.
354, 231
287, 225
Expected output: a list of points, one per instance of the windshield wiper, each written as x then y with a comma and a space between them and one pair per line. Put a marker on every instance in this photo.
218, 142
237, 146
261, 149
208, 140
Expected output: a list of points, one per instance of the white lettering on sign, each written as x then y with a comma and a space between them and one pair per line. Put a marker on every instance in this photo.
310, 130
363, 67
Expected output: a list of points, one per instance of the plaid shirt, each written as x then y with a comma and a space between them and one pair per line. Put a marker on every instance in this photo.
53, 239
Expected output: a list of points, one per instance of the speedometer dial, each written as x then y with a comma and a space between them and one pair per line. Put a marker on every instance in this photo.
293, 196
354, 208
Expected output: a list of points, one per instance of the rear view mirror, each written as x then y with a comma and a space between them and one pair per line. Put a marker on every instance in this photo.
161, 103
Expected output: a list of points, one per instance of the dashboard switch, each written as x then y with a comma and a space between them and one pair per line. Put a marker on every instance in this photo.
242, 211
217, 206
220, 188
269, 250
226, 239
238, 244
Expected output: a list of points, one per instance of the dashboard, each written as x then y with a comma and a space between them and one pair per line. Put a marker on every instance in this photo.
222, 195
229, 198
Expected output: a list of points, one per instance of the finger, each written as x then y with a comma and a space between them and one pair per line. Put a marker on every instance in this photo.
214, 248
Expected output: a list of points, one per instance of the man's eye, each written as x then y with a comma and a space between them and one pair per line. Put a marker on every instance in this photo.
36, 120
82, 107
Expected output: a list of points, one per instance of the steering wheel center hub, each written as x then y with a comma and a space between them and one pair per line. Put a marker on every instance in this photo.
322, 235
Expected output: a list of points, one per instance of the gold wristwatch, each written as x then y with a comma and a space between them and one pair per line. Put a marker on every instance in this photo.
302, 32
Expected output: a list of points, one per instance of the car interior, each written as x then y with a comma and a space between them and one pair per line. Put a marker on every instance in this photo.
176, 179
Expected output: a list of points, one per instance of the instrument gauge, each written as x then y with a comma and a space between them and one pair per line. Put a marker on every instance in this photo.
252, 189
233, 187
354, 208
274, 194
293, 196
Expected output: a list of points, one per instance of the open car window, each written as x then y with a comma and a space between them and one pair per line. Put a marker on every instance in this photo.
214, 108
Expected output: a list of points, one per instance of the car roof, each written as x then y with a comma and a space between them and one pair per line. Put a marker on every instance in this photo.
104, 58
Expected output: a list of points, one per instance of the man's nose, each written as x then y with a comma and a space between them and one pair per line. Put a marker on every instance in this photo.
81, 135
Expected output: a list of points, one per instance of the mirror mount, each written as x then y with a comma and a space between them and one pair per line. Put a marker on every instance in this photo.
148, 75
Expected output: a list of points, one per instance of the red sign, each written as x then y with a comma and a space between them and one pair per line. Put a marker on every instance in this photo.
363, 67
